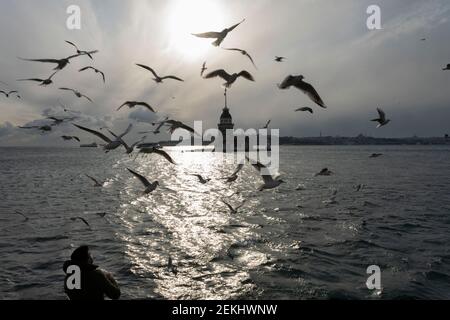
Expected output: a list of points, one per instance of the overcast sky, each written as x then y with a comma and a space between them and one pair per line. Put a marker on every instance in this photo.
355, 70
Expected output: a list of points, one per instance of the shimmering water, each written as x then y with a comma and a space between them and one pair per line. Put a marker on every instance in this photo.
283, 244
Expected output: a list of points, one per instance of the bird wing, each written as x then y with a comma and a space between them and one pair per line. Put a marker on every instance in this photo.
234, 49
309, 90
11, 92
235, 26
148, 68
172, 77
5, 92
229, 206
67, 89
96, 133
141, 178
246, 75
93, 179
85, 68
42, 60
218, 73
72, 44
126, 131
32, 79
76, 138
238, 169
165, 155
251, 59
287, 82
123, 105
83, 95
382, 114
207, 35
144, 104
103, 75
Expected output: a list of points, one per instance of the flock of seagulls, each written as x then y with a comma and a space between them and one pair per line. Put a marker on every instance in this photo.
117, 141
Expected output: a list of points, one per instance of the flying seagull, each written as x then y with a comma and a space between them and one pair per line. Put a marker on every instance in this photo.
132, 104
219, 36
233, 210
269, 181
7, 94
306, 88
305, 109
244, 53
447, 67
69, 138
157, 78
159, 152
149, 187
44, 82
77, 93
201, 179
61, 63
267, 124
174, 125
280, 59
229, 78
95, 70
129, 149
82, 220
81, 52
96, 182
382, 121
111, 144
204, 68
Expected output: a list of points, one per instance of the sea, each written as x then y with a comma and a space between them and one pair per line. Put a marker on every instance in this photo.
314, 237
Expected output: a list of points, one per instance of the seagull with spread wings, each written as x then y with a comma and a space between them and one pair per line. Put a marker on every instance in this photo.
157, 78
44, 82
110, 144
204, 68
82, 52
7, 94
269, 181
219, 36
382, 121
157, 151
244, 53
149, 187
60, 63
306, 88
77, 93
280, 59
95, 70
82, 220
132, 104
229, 78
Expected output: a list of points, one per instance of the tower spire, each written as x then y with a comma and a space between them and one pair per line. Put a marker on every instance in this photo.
226, 99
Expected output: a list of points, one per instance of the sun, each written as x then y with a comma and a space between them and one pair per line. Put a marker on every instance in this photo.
193, 16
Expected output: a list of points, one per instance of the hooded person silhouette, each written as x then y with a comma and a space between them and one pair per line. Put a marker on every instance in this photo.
95, 283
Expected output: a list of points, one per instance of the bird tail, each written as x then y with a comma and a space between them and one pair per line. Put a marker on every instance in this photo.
218, 42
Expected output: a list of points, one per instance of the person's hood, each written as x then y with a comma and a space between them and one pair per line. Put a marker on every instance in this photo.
82, 266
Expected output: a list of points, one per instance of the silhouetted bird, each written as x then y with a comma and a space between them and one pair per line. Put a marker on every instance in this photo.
149, 187
44, 82
95, 70
77, 93
280, 59
157, 78
382, 121
219, 36
132, 104
243, 52
306, 88
82, 52
229, 78
7, 94
307, 109
61, 63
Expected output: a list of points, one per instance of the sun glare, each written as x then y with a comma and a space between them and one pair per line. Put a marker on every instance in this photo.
196, 16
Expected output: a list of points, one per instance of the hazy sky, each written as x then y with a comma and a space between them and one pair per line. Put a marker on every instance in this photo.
354, 69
